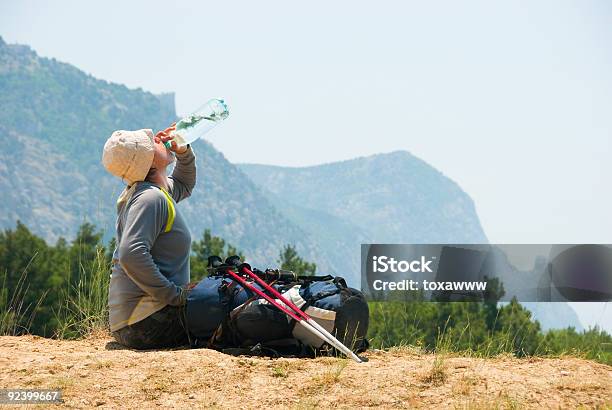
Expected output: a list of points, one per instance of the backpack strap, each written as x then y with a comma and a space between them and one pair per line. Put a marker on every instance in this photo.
275, 348
171, 210
129, 191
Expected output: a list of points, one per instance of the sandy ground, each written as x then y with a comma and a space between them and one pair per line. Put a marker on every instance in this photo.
98, 372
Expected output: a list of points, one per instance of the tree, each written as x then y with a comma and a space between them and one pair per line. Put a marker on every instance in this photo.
50, 273
209, 245
26, 258
517, 331
290, 260
83, 250
492, 295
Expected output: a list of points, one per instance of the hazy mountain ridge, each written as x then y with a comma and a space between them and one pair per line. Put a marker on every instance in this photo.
395, 197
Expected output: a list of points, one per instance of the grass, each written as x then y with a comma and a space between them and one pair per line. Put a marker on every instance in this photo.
102, 364
85, 308
396, 326
502, 402
154, 385
245, 362
332, 375
281, 370
64, 383
437, 375
465, 384
328, 378
15, 317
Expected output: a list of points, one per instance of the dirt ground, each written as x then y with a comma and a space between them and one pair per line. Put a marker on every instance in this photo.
99, 372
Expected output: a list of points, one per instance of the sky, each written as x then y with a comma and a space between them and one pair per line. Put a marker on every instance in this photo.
512, 100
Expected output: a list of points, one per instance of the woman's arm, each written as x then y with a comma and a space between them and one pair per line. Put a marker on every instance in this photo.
146, 217
183, 177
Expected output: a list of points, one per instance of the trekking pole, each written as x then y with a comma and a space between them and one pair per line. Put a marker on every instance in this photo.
307, 319
325, 336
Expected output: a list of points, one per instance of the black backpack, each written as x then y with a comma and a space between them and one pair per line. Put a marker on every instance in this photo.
221, 314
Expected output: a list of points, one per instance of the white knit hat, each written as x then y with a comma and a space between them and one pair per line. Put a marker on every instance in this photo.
129, 154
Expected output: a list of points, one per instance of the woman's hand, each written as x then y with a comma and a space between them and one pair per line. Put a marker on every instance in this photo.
165, 136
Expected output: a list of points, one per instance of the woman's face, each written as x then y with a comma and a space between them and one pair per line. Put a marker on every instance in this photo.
163, 156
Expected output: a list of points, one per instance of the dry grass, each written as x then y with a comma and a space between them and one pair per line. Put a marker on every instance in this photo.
281, 370
437, 374
503, 401
465, 384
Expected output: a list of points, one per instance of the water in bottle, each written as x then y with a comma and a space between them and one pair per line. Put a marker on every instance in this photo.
198, 123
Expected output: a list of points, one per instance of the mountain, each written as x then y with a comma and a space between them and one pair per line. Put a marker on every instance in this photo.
393, 197
554, 315
53, 124
384, 198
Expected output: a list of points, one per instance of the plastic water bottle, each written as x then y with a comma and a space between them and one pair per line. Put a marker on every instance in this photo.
198, 123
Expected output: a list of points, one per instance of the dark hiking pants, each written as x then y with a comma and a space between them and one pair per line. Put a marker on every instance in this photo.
164, 328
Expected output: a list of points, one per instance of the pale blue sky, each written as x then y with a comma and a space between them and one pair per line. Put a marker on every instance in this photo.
513, 100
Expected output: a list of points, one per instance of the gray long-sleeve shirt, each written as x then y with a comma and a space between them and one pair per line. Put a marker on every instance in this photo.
150, 265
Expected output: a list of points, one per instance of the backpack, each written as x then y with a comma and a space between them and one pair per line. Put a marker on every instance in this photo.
208, 303
223, 315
